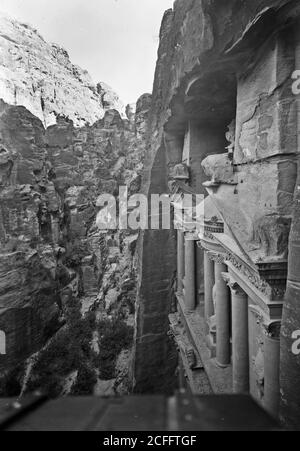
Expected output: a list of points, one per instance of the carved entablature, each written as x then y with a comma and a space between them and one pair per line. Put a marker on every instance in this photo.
253, 277
275, 274
217, 258
208, 235
214, 225
269, 278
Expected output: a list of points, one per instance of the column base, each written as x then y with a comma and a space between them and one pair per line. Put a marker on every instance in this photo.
189, 311
221, 365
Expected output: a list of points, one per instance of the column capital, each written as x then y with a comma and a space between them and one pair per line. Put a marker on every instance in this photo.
217, 258
233, 285
190, 236
271, 328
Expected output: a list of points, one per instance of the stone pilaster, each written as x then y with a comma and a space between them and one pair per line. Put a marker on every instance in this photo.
190, 273
272, 367
209, 281
180, 260
222, 301
268, 363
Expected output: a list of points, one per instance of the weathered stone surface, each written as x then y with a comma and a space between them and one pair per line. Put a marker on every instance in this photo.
155, 357
289, 352
219, 168
257, 206
203, 47
52, 254
141, 114
41, 77
266, 108
29, 308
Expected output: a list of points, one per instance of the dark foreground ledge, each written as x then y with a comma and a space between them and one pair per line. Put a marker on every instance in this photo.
135, 413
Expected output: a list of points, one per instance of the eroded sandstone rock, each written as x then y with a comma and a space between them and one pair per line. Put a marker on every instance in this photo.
41, 77
52, 254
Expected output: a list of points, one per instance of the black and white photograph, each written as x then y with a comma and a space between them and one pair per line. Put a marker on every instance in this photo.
149, 219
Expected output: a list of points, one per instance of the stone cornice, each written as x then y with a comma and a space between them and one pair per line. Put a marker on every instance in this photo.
268, 294
269, 278
217, 258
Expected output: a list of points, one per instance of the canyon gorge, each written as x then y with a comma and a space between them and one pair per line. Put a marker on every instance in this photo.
67, 290
210, 305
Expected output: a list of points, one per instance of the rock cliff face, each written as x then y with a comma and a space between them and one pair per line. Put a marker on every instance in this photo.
196, 96
58, 271
67, 289
41, 77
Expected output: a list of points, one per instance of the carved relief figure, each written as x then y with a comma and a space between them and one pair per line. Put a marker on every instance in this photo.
271, 234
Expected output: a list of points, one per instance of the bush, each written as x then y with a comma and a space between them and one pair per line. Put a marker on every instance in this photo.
114, 337
75, 252
85, 383
69, 350
59, 359
10, 383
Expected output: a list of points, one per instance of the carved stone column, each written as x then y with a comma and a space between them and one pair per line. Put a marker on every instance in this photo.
190, 274
2, 342
272, 365
180, 260
240, 338
209, 281
267, 361
222, 299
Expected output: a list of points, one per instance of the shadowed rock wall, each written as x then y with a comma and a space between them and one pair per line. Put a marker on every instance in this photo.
196, 82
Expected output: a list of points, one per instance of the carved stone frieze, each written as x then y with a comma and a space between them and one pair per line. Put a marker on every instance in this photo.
217, 258
253, 278
269, 279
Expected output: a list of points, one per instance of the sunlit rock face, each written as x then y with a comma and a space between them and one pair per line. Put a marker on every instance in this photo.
41, 77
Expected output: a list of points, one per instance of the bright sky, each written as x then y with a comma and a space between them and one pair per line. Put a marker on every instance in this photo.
115, 40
